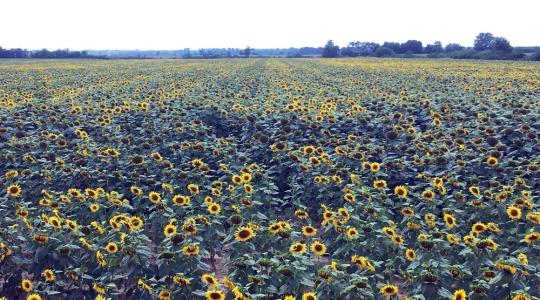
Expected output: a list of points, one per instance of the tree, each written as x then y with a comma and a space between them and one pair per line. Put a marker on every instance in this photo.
482, 41
435, 48
246, 52
330, 50
383, 52
500, 44
453, 47
395, 47
412, 46
536, 55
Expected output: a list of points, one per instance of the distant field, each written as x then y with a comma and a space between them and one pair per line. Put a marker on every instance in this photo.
269, 178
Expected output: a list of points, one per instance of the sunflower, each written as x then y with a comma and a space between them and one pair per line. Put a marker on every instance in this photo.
14, 190
513, 212
154, 197
94, 207
136, 191
289, 297
478, 227
352, 233
459, 295
181, 200
48, 275
318, 248
111, 247
193, 188
309, 230
379, 184
243, 234
401, 191
428, 195
298, 248
137, 160
410, 255
215, 295
182, 280
55, 222
474, 190
407, 211
33, 297
236, 179
26, 285
209, 280
389, 290
309, 296
246, 177
135, 223
169, 230
214, 208
301, 214
156, 156
164, 295
349, 197
375, 167
450, 220
191, 250
492, 161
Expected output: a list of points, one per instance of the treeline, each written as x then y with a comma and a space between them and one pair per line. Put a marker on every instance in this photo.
43, 53
486, 46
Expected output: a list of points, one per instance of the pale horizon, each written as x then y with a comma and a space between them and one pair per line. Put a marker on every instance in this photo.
172, 25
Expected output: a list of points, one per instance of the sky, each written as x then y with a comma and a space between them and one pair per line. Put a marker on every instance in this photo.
169, 24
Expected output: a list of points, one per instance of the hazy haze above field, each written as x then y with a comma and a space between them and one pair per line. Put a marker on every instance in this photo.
162, 24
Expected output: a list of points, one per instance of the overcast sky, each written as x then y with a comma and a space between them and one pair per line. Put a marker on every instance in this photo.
169, 24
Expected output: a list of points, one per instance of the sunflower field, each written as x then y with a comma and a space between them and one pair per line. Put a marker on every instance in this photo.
269, 179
